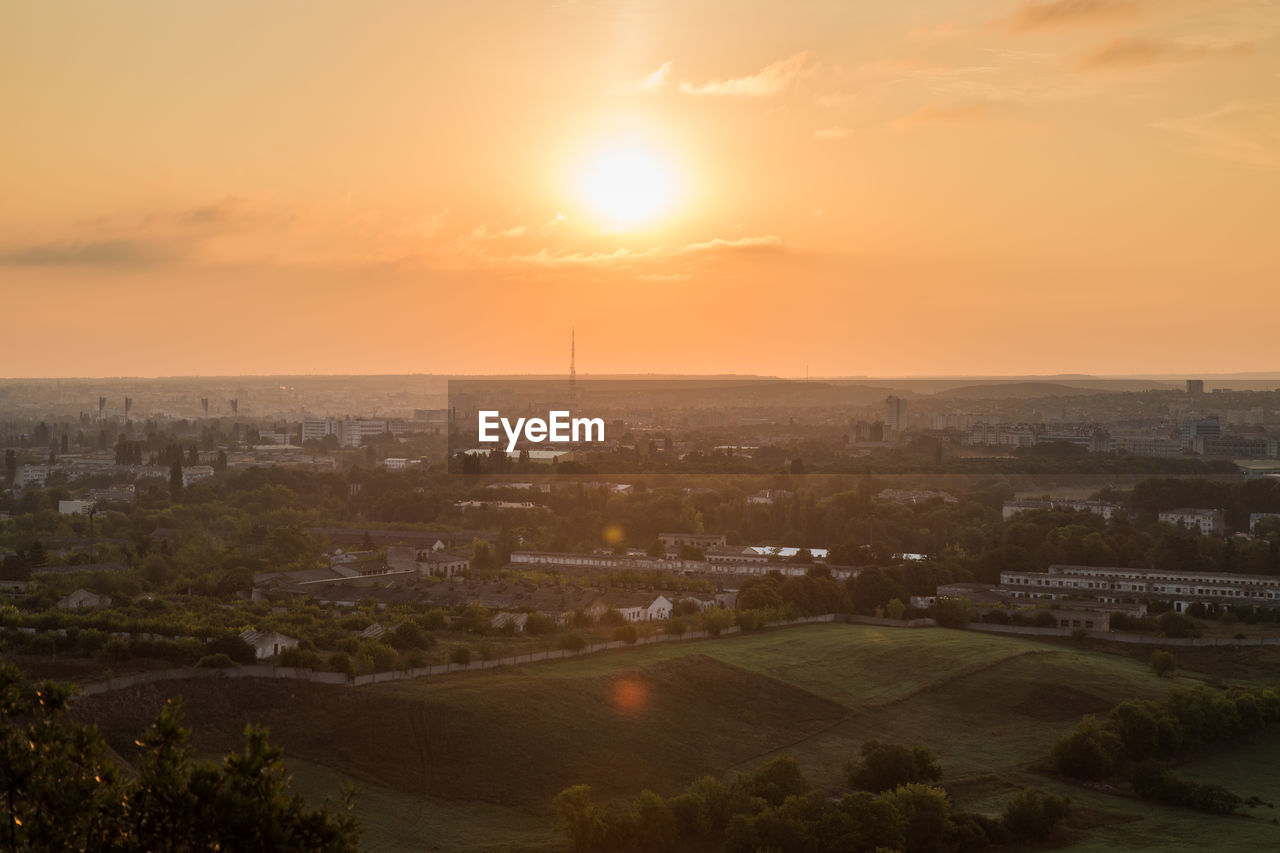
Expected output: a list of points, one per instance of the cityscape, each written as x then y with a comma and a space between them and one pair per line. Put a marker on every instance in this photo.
640, 426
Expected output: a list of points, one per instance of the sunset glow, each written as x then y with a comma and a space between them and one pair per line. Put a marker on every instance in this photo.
925, 172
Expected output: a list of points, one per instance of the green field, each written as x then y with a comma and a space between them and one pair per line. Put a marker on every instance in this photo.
471, 761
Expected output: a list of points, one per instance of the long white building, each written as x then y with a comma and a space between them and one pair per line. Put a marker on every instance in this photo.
1111, 584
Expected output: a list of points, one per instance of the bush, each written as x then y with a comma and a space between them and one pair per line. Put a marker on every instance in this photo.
1178, 625
341, 662
540, 624
573, 642
216, 661
885, 766
1031, 815
408, 635
626, 633
676, 627
460, 655
1163, 663
1089, 752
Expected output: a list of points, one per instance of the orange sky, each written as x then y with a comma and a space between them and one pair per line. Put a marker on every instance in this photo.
1000, 187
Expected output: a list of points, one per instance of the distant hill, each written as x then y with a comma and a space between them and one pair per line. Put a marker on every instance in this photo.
1028, 390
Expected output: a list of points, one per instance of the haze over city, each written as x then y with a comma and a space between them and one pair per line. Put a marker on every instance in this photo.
1083, 186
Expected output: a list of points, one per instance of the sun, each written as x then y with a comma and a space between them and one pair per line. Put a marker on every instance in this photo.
628, 186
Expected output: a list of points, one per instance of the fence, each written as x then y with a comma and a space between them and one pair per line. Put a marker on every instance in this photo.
1125, 636
321, 677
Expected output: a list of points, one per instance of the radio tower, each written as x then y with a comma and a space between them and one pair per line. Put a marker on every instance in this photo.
573, 371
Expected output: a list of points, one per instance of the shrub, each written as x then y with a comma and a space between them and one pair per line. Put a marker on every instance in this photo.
626, 633
675, 627
460, 655
1031, 815
1089, 752
215, 661
1163, 663
540, 624
885, 766
573, 642
408, 635
341, 662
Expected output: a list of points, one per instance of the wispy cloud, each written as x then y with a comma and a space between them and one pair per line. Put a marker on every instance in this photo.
1245, 133
647, 259
656, 79
763, 243
938, 115
770, 80
1133, 52
117, 254
482, 232
831, 133
1044, 14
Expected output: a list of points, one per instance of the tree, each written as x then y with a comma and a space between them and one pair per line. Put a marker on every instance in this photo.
927, 813
1031, 815
885, 766
37, 556
1089, 752
1163, 663
580, 818
60, 791
10, 467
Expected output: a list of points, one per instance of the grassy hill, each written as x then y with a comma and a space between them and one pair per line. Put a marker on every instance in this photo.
471, 761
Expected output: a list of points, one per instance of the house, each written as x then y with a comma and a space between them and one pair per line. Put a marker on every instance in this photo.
75, 507
639, 606
443, 564
267, 643
373, 632
196, 473
83, 598
1210, 522
673, 541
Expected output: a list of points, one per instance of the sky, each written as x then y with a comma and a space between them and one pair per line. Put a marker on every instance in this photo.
705, 186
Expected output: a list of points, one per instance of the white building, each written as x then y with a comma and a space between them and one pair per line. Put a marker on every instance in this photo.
267, 643
83, 598
75, 507
31, 475
196, 473
1102, 508
1109, 584
1209, 522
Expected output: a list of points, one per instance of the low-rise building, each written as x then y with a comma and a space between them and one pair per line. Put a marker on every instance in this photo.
267, 644
1210, 522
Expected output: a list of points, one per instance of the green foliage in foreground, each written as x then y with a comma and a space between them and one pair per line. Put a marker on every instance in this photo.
1137, 734
60, 791
775, 809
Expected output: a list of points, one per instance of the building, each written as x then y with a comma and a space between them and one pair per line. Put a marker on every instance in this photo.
673, 541
1110, 585
1258, 517
1195, 386
267, 643
895, 418
1190, 430
1210, 522
1235, 446
1102, 508
196, 473
31, 475
83, 598
318, 428
75, 507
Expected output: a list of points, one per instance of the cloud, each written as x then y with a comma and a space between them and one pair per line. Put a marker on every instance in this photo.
622, 257
482, 232
763, 243
770, 80
827, 133
655, 80
1045, 14
118, 254
1135, 52
933, 115
1244, 133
